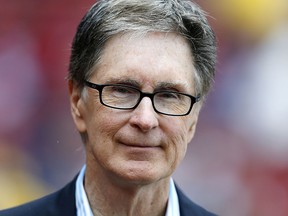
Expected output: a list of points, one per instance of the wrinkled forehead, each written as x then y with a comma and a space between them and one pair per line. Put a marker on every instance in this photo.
138, 42
161, 57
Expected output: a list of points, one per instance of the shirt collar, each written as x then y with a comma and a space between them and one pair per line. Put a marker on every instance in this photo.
84, 209
82, 204
173, 203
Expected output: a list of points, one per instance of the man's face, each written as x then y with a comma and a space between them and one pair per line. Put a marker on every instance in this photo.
137, 146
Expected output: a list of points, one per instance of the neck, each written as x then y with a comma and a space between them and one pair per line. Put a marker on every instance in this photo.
110, 197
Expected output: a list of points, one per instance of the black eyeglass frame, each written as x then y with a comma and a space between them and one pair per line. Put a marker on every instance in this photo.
100, 87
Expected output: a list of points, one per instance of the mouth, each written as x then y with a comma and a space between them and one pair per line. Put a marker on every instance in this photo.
139, 142
137, 150
139, 145
141, 151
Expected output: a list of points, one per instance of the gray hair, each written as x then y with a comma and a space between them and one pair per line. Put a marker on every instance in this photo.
107, 18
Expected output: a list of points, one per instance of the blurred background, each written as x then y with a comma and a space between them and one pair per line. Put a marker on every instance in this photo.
237, 163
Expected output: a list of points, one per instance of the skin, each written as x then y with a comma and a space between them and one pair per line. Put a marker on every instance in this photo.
131, 154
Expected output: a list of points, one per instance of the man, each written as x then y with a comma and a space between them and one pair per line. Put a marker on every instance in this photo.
139, 73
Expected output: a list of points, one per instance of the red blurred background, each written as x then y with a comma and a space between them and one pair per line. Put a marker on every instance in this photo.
236, 165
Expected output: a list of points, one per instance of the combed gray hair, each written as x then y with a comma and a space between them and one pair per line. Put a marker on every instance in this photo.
107, 18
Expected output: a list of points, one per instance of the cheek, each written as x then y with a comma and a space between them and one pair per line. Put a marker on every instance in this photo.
103, 125
180, 143
179, 130
101, 130
177, 143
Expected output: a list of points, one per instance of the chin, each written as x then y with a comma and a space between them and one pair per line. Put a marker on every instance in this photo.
140, 173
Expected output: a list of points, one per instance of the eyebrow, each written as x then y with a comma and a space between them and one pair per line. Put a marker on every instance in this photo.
125, 81
174, 86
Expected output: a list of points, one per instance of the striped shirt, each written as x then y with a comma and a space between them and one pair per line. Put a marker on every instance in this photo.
84, 209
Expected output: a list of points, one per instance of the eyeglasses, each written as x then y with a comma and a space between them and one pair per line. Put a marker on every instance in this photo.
125, 97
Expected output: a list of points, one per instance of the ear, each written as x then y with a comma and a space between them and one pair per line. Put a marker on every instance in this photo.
192, 129
77, 106
193, 123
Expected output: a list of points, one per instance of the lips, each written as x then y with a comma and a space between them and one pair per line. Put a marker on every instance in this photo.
138, 140
139, 145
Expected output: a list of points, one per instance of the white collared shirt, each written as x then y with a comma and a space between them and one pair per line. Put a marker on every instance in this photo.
84, 209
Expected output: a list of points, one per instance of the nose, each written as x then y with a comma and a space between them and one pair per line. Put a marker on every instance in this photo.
144, 116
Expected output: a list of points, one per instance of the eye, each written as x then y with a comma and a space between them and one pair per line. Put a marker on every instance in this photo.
168, 95
122, 91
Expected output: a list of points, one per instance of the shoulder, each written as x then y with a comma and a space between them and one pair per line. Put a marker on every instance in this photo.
187, 207
59, 203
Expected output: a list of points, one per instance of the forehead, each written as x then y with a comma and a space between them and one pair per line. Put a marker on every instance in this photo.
148, 59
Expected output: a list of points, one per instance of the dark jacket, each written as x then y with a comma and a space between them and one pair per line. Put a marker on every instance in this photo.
62, 203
